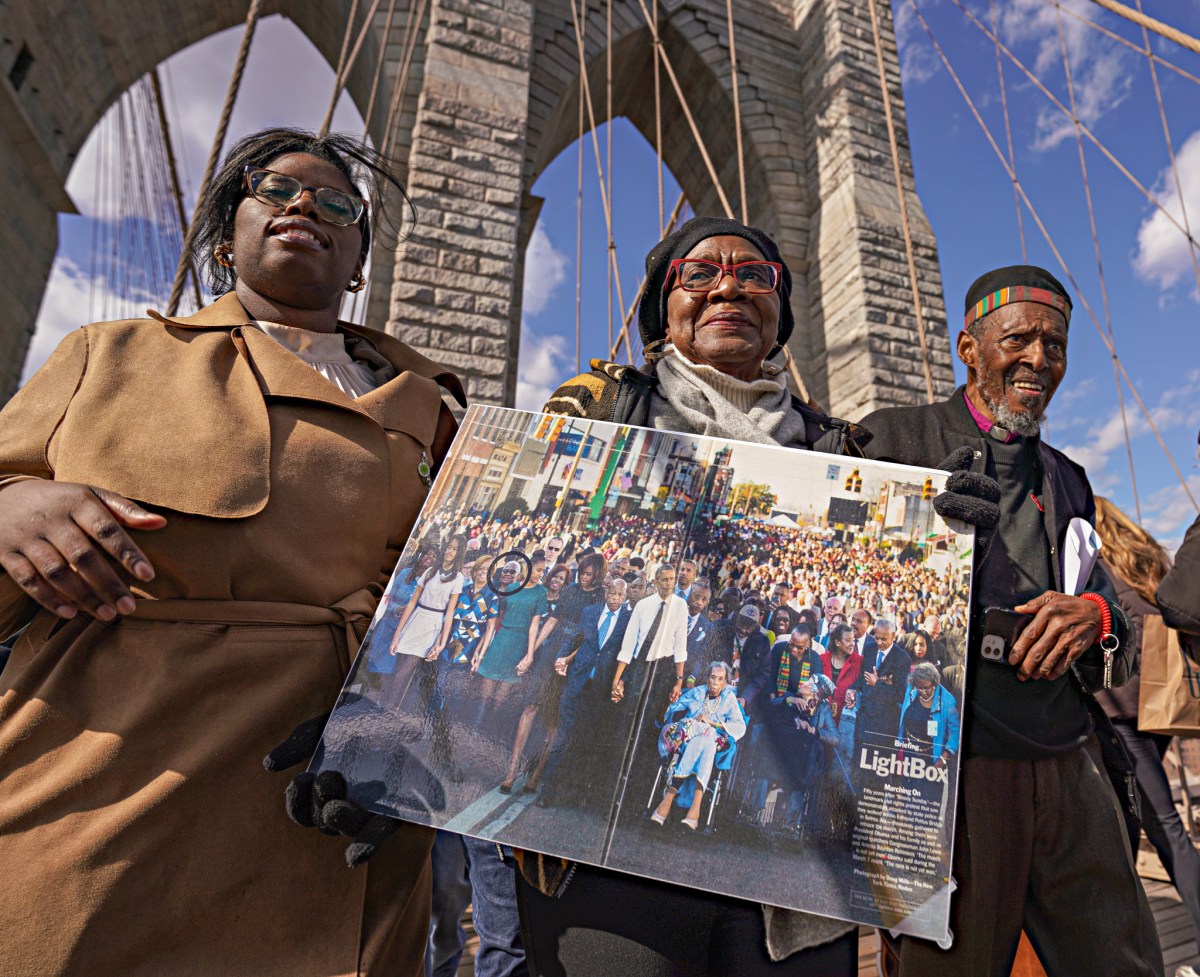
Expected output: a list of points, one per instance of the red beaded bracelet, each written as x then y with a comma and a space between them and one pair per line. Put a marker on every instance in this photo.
1108, 640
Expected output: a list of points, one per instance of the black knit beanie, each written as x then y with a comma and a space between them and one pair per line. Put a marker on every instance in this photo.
652, 312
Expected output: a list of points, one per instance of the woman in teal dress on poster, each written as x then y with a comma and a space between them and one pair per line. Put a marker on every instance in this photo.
506, 660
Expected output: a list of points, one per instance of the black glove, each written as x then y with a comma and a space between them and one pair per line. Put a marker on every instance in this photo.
319, 800
970, 497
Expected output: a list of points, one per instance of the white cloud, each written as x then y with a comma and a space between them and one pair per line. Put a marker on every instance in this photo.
545, 270
542, 368
73, 299
543, 362
1163, 252
1167, 513
286, 82
1177, 407
918, 60
1098, 68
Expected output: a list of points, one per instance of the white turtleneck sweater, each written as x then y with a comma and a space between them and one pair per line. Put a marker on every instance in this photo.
326, 353
703, 400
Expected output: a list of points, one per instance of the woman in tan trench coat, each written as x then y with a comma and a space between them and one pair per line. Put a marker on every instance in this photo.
139, 834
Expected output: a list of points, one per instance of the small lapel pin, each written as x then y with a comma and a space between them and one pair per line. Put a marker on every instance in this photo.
423, 470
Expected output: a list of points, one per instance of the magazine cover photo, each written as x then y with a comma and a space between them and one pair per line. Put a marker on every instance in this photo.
724, 665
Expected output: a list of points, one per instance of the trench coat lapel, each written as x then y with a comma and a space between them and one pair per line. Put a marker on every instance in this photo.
410, 402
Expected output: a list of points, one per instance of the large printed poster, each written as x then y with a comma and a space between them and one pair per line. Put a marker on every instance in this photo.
723, 665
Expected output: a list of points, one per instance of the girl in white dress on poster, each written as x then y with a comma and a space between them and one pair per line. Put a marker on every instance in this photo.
427, 619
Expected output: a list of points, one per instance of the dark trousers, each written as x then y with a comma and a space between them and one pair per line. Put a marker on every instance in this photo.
1040, 845
1160, 820
610, 923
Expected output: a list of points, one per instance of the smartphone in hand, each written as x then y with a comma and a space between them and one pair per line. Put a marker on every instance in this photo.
1001, 627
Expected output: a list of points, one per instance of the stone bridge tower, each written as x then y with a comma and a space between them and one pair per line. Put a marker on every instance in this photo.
491, 100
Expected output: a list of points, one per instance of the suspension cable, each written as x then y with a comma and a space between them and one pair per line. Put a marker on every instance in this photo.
1054, 250
337, 74
1164, 30
579, 234
1129, 44
412, 28
737, 110
379, 62
1124, 170
608, 103
1087, 192
608, 219
1012, 159
214, 154
662, 227
343, 74
901, 197
687, 112
1162, 115
624, 334
176, 190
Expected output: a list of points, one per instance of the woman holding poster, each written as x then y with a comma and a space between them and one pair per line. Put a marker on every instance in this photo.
716, 310
196, 515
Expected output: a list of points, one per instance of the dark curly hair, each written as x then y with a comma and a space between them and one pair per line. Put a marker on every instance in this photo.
361, 165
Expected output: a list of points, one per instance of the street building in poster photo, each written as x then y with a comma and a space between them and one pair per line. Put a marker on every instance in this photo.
600, 643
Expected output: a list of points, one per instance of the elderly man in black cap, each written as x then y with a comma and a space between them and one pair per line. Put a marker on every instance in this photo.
1041, 844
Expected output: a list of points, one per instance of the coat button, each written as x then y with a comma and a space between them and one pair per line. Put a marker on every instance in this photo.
978, 453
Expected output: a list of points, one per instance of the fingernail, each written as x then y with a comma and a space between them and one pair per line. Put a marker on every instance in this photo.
126, 605
105, 612
143, 571
65, 611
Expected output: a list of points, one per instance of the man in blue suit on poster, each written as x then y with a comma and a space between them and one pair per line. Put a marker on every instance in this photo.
603, 629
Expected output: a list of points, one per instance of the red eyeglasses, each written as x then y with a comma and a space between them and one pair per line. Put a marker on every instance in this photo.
698, 275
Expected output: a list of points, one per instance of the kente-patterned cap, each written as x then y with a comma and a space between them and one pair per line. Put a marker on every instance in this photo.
1016, 283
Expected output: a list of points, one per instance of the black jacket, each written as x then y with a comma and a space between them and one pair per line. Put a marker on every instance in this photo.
925, 436
621, 394
1179, 593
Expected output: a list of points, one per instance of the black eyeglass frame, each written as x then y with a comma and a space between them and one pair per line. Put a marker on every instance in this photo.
249, 171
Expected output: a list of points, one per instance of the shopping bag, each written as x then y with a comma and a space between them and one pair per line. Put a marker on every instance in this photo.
1169, 700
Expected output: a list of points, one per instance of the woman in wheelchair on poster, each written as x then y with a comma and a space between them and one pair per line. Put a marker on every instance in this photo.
701, 725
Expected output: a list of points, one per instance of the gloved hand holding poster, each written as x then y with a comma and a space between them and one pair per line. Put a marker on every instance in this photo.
694, 660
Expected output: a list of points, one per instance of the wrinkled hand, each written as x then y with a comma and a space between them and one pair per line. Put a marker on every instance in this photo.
1062, 629
319, 800
971, 497
58, 541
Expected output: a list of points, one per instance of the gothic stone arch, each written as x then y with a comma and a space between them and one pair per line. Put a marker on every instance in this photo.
491, 100
498, 103
64, 64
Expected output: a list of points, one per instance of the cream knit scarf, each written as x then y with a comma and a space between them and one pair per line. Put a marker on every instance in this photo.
703, 400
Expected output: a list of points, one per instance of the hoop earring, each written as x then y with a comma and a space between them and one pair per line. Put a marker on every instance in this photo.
774, 369
656, 350
357, 283
223, 255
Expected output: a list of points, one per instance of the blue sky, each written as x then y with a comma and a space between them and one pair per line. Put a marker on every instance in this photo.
1152, 288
